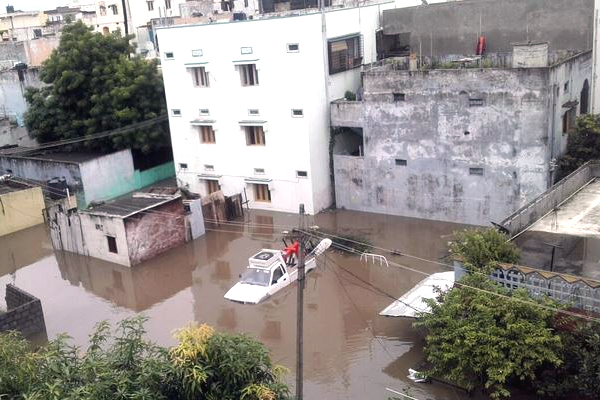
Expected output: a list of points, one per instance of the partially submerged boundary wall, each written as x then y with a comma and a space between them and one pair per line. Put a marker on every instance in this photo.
552, 198
24, 312
574, 291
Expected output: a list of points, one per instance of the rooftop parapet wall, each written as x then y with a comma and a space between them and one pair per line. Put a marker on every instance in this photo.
454, 27
552, 198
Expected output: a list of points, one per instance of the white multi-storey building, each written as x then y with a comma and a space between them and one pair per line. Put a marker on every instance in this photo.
249, 101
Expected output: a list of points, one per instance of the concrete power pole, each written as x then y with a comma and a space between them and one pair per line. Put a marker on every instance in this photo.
300, 311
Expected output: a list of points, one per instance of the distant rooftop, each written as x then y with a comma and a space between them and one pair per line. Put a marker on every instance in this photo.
61, 156
132, 204
560, 230
10, 186
224, 18
578, 216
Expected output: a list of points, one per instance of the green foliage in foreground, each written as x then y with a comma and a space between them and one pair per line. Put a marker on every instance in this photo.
479, 249
478, 340
204, 365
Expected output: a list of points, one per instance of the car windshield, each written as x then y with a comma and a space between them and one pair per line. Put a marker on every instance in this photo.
256, 276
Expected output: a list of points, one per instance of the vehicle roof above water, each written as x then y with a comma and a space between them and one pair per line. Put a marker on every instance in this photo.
266, 258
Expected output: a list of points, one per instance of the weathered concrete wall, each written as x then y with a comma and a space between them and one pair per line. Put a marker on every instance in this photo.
96, 229
20, 210
449, 122
550, 199
11, 133
151, 233
38, 169
108, 176
65, 227
86, 234
12, 51
30, 52
24, 312
40, 49
453, 27
12, 91
567, 80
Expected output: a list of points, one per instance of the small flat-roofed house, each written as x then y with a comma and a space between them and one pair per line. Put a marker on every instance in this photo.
127, 230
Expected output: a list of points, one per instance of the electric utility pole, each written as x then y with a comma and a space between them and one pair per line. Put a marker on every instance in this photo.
300, 310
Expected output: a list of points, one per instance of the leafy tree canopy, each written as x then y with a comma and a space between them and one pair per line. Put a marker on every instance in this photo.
478, 340
93, 86
204, 365
480, 248
583, 145
579, 375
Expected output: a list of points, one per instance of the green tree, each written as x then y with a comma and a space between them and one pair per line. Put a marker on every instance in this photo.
579, 375
480, 248
123, 365
583, 145
479, 340
93, 86
222, 366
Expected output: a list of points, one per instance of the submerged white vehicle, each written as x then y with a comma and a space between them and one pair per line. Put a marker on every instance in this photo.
269, 271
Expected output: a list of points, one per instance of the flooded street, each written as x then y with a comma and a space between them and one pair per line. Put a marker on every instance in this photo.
350, 351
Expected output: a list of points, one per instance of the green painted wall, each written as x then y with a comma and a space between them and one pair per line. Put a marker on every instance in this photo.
153, 175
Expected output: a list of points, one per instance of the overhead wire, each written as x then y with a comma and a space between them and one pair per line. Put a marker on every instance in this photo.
351, 250
358, 312
402, 266
398, 265
500, 295
94, 136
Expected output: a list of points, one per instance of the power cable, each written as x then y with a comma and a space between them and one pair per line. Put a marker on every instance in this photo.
404, 267
94, 136
500, 295
337, 245
359, 314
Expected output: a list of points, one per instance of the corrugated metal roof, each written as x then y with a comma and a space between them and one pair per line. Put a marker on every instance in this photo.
126, 207
412, 302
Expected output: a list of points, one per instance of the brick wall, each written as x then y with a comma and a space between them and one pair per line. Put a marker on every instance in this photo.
24, 312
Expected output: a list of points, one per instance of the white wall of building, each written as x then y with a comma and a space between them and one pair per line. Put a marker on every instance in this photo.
287, 81
97, 229
108, 176
109, 15
141, 12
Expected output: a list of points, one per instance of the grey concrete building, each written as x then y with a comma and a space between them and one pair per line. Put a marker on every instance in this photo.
457, 136
453, 28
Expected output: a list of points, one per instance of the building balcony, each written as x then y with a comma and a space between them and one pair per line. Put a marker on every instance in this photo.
346, 113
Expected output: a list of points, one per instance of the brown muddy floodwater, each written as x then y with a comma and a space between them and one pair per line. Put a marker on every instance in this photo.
350, 351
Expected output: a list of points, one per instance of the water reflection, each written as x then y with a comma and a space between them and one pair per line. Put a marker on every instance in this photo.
350, 351
23, 248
